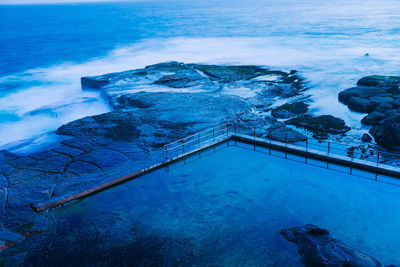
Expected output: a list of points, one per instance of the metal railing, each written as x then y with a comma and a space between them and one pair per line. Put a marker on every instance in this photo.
196, 141
354, 150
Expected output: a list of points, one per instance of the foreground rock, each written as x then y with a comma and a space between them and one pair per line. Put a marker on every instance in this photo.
317, 248
379, 96
320, 126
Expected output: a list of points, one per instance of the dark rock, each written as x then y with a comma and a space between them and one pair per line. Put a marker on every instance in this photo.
383, 107
366, 138
393, 115
282, 113
321, 125
289, 110
380, 81
396, 103
363, 105
93, 83
231, 73
278, 131
373, 118
387, 133
361, 92
317, 248
381, 99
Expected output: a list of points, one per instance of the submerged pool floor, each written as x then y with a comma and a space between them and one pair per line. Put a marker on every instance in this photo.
224, 209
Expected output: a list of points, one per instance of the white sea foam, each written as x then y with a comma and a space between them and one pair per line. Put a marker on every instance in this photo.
328, 65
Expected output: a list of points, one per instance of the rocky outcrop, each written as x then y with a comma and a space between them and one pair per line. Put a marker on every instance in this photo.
320, 126
264, 84
289, 110
379, 96
317, 248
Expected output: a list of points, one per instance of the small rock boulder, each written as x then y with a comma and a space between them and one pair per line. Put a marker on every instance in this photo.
373, 118
278, 131
366, 138
363, 105
290, 110
321, 126
317, 248
387, 133
384, 107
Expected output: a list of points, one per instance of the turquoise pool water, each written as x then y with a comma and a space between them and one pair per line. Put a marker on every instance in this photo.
225, 208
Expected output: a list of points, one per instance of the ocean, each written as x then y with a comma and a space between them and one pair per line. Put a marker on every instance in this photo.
45, 49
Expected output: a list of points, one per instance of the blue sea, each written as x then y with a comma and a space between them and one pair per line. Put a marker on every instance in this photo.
45, 49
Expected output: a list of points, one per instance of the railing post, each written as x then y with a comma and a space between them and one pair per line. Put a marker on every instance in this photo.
166, 151
183, 146
235, 126
213, 134
377, 159
306, 143
270, 140
329, 147
286, 138
254, 138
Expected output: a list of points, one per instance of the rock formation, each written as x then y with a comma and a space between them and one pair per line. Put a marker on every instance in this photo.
318, 249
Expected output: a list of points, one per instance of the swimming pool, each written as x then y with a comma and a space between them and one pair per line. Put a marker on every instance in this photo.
221, 208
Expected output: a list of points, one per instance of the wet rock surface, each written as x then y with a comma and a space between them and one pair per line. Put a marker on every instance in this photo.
262, 84
320, 126
290, 110
317, 248
379, 96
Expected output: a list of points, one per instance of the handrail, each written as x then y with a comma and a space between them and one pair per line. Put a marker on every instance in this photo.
196, 140
214, 134
195, 134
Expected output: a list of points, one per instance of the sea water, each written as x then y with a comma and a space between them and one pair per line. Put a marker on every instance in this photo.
222, 208
45, 49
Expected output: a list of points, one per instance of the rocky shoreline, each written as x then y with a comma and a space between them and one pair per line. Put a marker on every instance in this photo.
379, 96
162, 103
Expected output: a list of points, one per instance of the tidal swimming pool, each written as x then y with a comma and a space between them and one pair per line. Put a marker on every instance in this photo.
222, 208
